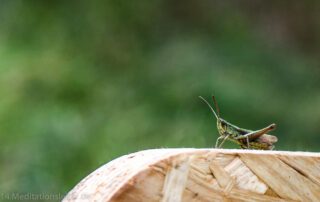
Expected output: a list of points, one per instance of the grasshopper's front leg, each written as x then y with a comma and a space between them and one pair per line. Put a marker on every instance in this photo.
224, 139
217, 142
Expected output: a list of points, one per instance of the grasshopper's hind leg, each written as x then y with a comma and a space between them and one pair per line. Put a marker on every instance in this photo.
256, 134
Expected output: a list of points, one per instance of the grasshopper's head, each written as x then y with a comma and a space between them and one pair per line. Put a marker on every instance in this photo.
222, 126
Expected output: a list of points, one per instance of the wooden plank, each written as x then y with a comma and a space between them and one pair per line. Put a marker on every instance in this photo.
309, 167
247, 196
245, 179
204, 175
284, 180
223, 178
175, 181
209, 192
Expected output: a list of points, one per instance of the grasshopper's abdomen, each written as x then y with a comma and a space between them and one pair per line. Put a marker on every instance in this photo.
256, 145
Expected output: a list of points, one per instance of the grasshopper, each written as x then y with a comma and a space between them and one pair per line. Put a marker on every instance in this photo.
247, 139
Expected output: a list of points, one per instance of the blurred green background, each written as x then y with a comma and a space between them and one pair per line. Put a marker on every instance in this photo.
85, 82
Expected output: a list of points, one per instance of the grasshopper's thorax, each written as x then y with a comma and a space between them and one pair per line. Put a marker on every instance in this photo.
225, 128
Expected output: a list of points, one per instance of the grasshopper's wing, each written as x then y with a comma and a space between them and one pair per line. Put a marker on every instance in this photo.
265, 138
264, 142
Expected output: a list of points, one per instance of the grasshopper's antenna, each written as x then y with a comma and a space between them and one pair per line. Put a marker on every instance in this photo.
214, 113
216, 105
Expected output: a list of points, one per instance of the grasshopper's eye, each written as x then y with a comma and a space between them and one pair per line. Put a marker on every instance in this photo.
223, 124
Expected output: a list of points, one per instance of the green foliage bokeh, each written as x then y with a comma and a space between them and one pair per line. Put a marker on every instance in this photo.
83, 83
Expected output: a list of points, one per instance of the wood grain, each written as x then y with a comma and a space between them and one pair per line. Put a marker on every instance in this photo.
204, 175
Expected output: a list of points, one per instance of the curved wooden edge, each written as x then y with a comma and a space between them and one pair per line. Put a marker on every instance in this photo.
204, 175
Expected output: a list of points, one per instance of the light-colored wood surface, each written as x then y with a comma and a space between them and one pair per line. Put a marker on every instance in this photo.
204, 175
